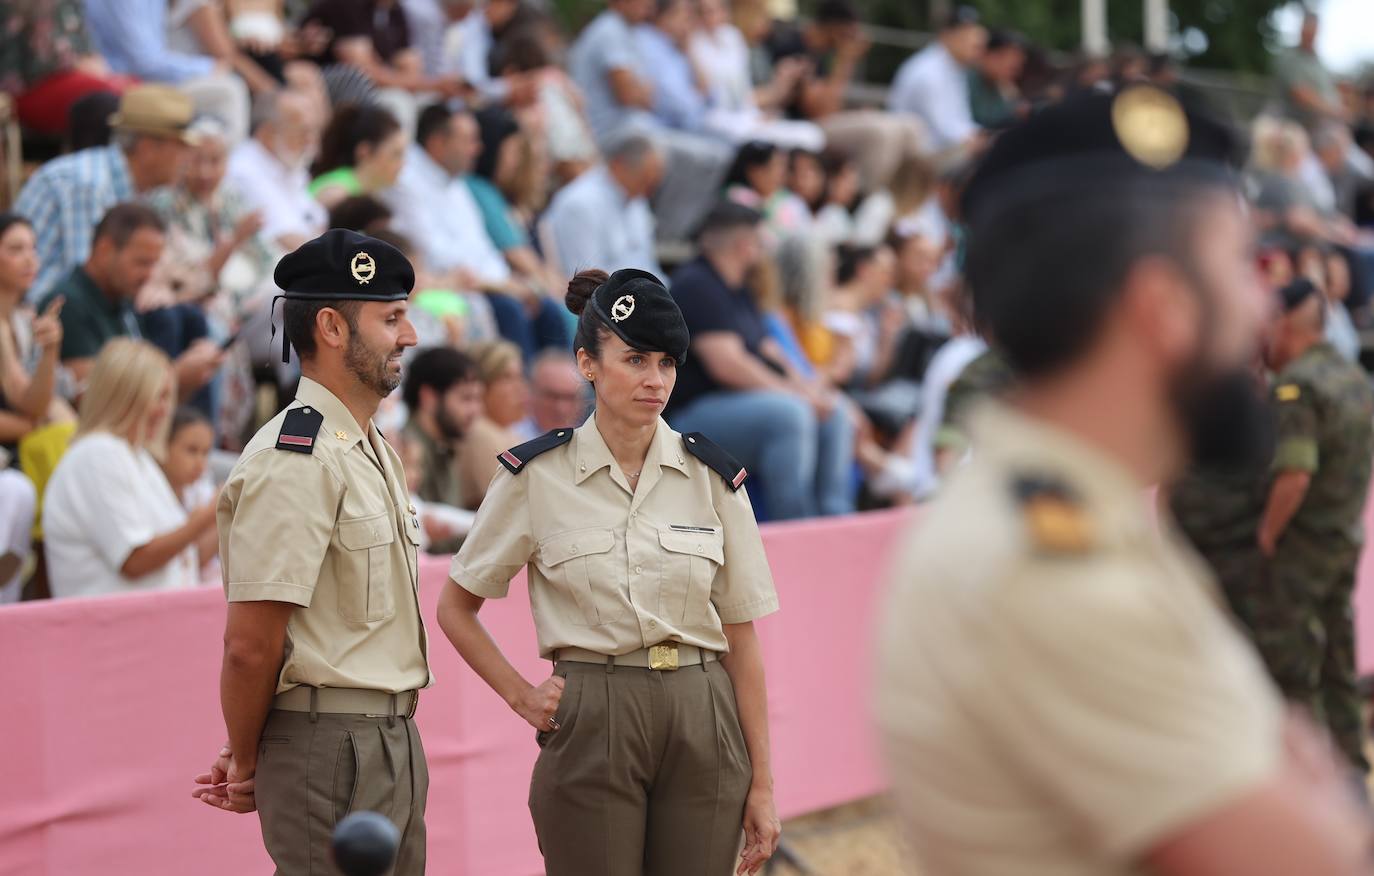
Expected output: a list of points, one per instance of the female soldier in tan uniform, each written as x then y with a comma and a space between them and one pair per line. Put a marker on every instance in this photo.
646, 572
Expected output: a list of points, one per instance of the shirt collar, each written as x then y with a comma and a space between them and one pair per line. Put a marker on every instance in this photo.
593, 455
427, 166
608, 181
339, 425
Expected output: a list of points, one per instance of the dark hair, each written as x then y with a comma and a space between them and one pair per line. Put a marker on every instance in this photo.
755, 153
799, 155
960, 16
298, 321
851, 261
187, 415
590, 327
1041, 325
437, 368
433, 120
836, 12
122, 221
352, 126
359, 213
88, 120
520, 50
496, 125
9, 220
1005, 39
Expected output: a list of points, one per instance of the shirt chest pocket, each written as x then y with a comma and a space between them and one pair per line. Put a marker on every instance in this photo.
689, 562
581, 563
364, 575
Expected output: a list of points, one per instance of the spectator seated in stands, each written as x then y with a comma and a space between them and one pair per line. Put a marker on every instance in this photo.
368, 58
558, 398
49, 64
29, 347
361, 153
444, 395
111, 522
201, 27
100, 296
758, 180
933, 84
830, 46
190, 438
469, 43
270, 170
441, 315
735, 110
616, 76
132, 36
65, 198
504, 400
603, 216
436, 208
739, 389
993, 93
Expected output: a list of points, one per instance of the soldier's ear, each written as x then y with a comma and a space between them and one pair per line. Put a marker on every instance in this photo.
332, 328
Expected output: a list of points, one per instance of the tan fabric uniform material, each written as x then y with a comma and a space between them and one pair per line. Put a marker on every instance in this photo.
648, 772
332, 532
1060, 711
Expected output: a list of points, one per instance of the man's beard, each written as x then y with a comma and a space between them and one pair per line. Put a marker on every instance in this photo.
370, 368
449, 427
1226, 419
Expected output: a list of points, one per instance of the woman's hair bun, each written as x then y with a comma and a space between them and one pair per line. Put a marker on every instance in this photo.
581, 287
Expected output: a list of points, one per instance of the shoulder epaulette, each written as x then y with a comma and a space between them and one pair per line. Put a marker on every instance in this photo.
1055, 519
716, 458
298, 430
519, 456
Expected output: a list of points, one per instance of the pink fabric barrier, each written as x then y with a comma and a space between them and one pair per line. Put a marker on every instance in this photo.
112, 706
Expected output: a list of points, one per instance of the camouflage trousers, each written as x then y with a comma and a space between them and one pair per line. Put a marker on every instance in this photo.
1298, 609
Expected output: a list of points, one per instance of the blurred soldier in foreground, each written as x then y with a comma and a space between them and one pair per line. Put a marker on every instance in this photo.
1061, 691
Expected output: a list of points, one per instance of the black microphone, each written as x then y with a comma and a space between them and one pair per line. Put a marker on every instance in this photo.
365, 844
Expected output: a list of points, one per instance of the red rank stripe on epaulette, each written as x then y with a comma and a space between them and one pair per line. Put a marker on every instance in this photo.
297, 440
739, 478
512, 459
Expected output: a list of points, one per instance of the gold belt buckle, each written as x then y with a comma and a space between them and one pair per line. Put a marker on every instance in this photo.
663, 657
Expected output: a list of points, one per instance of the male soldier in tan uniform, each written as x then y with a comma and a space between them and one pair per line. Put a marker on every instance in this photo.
325, 650
1061, 692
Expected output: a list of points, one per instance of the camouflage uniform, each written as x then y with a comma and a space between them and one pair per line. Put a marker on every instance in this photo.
1219, 511
1305, 628
987, 375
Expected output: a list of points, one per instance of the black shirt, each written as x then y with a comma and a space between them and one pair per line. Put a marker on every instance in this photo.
708, 305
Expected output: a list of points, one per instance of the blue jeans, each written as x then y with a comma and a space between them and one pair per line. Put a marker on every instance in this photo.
545, 329
806, 464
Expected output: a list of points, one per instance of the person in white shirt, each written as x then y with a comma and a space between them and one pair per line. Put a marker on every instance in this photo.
602, 218
434, 207
271, 170
111, 522
933, 83
467, 53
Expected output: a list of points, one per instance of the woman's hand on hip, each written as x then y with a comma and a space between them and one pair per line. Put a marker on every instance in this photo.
761, 831
538, 704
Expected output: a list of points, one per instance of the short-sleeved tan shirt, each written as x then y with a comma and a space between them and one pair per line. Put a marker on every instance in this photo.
613, 570
1059, 694
333, 532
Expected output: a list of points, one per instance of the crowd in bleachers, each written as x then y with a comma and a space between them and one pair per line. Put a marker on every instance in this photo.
813, 244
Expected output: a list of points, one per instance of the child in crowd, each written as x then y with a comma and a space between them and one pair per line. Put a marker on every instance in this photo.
187, 461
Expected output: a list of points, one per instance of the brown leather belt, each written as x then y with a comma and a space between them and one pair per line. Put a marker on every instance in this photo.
348, 701
663, 657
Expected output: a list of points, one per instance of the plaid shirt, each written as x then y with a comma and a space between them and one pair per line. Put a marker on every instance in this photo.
64, 200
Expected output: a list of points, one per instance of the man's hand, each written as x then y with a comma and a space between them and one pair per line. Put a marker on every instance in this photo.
198, 364
762, 829
228, 785
249, 225
538, 704
47, 327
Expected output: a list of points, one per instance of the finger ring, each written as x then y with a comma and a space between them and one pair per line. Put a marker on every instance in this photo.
553, 725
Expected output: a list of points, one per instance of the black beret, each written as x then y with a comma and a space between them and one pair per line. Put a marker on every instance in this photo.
342, 264
1085, 141
1292, 296
636, 306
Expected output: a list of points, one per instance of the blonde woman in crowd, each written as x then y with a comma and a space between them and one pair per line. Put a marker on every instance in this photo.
111, 522
506, 404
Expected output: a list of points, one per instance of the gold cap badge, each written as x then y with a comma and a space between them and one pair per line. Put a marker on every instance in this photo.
623, 307
1151, 126
363, 267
